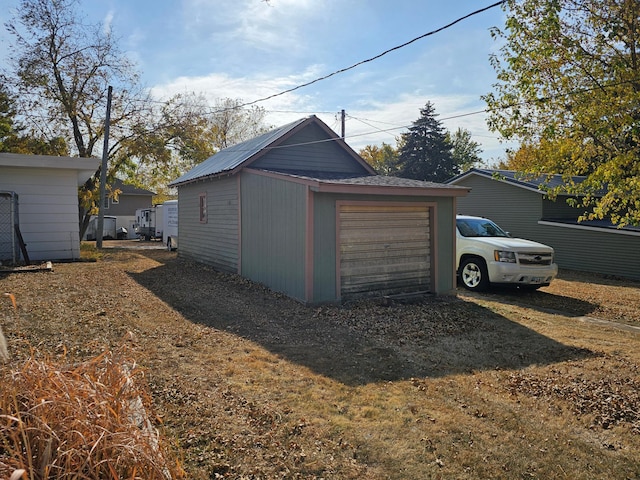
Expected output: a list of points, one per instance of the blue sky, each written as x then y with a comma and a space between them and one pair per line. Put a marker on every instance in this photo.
251, 49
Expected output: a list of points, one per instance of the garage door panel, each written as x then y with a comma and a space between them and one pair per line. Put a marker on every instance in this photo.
384, 249
389, 234
369, 221
385, 256
385, 285
387, 266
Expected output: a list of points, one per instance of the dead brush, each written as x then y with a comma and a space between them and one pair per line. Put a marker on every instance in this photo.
85, 421
4, 351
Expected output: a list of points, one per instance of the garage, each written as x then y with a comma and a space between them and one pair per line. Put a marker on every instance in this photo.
40, 197
383, 248
297, 210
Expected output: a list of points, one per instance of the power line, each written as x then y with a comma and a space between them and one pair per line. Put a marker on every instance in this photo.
365, 122
540, 100
451, 117
362, 62
342, 70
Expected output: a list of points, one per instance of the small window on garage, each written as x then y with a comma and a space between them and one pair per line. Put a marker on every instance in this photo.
203, 207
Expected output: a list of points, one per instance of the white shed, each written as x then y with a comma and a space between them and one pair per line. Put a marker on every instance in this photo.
46, 188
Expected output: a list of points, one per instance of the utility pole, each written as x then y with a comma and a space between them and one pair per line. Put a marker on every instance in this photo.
103, 172
343, 131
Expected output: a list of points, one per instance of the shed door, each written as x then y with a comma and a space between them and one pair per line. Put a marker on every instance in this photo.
384, 249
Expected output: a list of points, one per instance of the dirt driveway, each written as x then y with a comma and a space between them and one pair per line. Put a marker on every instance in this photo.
232, 366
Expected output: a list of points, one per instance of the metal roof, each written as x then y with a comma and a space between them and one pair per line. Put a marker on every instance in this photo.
537, 183
232, 157
127, 189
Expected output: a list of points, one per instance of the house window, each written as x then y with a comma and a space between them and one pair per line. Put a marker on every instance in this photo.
105, 205
203, 208
115, 200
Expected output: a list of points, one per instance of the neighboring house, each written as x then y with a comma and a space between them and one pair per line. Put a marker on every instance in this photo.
299, 211
46, 189
518, 204
123, 206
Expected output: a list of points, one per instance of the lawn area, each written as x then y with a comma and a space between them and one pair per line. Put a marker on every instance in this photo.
247, 383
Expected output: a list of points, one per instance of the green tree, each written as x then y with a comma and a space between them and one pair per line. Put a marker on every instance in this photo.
7, 114
425, 151
568, 88
12, 138
61, 70
186, 132
175, 139
466, 152
230, 124
383, 159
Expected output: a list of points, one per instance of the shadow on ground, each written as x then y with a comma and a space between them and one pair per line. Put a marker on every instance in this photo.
359, 344
539, 300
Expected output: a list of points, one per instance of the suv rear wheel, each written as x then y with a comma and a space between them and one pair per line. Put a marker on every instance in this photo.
474, 275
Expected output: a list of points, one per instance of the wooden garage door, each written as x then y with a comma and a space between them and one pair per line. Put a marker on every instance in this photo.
384, 249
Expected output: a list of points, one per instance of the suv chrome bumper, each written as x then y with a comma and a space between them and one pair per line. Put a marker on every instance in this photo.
513, 273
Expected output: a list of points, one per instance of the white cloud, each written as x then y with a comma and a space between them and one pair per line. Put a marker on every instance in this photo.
367, 123
107, 23
221, 85
239, 25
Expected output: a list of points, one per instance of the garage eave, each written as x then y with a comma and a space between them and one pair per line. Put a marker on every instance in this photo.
386, 190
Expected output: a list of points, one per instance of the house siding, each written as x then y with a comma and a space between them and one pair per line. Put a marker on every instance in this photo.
515, 209
559, 209
128, 204
273, 233
216, 241
590, 250
324, 248
323, 156
48, 221
520, 211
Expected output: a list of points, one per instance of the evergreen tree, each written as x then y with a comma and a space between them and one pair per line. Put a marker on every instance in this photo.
425, 151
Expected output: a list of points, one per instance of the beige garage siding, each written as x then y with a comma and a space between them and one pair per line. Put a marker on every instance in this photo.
384, 249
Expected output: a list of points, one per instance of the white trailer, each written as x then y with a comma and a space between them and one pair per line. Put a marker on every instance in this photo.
108, 228
147, 226
170, 224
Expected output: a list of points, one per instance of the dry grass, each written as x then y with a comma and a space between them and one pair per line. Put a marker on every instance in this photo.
79, 421
251, 384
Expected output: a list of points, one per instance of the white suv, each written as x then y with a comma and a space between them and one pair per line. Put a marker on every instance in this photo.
486, 254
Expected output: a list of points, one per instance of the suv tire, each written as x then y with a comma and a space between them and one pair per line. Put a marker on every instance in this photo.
474, 275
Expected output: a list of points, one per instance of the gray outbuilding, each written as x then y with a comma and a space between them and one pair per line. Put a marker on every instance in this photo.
299, 211
519, 204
